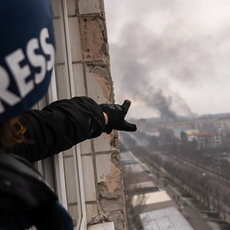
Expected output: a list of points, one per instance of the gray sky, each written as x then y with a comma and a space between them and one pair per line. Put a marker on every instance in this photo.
170, 52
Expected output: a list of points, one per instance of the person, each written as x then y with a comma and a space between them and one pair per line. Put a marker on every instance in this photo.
27, 51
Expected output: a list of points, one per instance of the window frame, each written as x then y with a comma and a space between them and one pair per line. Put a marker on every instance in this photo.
58, 159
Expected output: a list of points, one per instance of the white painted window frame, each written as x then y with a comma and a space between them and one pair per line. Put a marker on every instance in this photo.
58, 159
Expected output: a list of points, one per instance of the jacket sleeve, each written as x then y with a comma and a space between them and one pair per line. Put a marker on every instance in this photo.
59, 126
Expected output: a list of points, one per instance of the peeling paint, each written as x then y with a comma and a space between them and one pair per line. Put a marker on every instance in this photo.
102, 82
103, 191
103, 76
113, 179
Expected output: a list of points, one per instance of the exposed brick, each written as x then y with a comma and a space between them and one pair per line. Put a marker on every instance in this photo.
93, 41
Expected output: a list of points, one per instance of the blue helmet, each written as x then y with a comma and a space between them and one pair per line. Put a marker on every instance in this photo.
27, 52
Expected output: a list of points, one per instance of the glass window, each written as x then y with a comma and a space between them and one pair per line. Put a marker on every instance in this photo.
63, 171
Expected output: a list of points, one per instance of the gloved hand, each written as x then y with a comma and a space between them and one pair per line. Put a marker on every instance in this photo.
116, 116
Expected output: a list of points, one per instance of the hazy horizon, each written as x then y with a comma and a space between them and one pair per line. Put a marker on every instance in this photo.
170, 56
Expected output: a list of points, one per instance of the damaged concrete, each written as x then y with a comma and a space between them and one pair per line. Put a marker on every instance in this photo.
109, 205
94, 45
114, 141
99, 85
104, 191
110, 189
108, 177
104, 81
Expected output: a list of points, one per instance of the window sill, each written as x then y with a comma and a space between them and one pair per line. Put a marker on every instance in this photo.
103, 226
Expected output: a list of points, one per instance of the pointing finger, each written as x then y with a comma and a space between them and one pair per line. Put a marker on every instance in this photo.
126, 105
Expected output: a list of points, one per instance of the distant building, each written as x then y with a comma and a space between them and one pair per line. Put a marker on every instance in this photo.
177, 132
206, 140
219, 123
223, 125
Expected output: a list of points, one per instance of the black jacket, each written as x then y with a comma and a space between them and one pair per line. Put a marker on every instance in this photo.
57, 127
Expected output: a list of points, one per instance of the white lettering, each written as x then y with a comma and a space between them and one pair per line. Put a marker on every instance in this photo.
6, 95
48, 49
20, 73
36, 60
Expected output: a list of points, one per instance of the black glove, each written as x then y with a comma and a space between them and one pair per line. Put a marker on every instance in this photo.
116, 114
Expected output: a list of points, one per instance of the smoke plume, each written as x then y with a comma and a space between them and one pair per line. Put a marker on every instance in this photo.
157, 59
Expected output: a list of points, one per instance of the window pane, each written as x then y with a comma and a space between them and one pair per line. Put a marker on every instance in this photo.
63, 71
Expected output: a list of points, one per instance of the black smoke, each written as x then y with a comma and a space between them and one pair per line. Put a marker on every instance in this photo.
144, 62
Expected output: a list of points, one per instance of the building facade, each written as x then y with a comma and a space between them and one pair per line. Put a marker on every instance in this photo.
88, 177
206, 140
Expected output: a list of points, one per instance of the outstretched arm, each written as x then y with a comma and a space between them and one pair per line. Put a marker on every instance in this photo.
65, 123
59, 126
